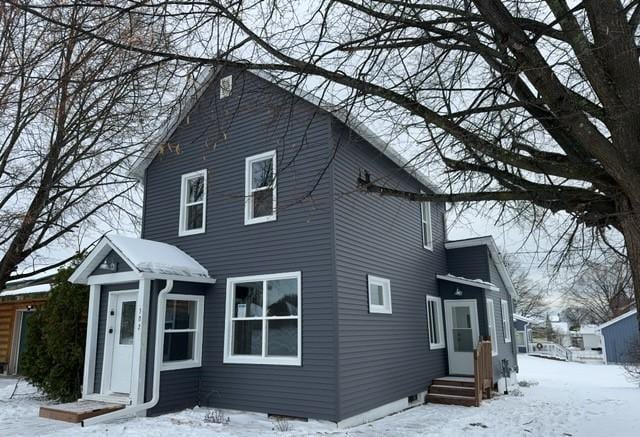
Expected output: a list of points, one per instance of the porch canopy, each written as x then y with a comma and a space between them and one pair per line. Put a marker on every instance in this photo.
143, 259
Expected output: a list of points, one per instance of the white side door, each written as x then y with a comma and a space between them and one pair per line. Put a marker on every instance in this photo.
461, 318
121, 327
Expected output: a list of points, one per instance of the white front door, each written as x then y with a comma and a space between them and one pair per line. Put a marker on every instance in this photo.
461, 317
120, 328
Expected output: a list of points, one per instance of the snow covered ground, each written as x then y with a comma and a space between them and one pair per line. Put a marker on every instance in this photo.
564, 399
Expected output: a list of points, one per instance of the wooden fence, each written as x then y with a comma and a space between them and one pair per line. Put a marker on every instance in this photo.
483, 370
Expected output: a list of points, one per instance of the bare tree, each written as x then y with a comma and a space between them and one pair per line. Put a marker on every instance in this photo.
72, 113
533, 104
602, 290
532, 296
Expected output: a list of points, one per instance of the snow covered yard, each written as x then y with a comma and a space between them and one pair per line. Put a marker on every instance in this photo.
564, 399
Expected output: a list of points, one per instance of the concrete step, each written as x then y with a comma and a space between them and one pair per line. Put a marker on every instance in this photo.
452, 390
451, 399
456, 381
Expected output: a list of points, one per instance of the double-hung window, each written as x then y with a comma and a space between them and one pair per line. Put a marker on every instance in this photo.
491, 321
260, 188
183, 319
263, 320
379, 295
434, 319
427, 233
193, 203
506, 326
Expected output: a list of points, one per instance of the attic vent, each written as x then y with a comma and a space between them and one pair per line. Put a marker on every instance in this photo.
225, 86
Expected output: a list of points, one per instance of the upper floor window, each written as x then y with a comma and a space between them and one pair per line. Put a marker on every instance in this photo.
226, 85
434, 318
183, 321
260, 188
427, 234
263, 320
506, 326
193, 203
379, 295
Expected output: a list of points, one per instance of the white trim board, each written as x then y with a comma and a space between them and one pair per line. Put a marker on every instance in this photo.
381, 411
471, 282
495, 255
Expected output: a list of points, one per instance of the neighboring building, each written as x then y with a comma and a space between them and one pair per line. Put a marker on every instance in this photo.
620, 338
522, 327
586, 338
280, 287
18, 301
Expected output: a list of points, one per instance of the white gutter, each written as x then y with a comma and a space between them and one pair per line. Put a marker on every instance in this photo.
157, 362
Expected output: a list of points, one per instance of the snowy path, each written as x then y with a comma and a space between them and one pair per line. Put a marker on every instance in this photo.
569, 399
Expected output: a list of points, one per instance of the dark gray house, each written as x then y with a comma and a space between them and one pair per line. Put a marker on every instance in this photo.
620, 338
280, 287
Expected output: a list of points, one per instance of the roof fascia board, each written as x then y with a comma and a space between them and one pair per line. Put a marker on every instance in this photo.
469, 282
617, 319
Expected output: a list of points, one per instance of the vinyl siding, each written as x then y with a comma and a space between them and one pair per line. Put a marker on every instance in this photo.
469, 262
620, 339
382, 357
102, 326
218, 136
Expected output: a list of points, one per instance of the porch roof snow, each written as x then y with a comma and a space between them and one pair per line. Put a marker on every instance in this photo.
466, 281
156, 257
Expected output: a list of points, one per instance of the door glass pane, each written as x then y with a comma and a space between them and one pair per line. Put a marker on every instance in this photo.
261, 173
461, 317
461, 330
248, 300
127, 320
195, 189
178, 346
282, 297
263, 203
180, 314
282, 337
247, 337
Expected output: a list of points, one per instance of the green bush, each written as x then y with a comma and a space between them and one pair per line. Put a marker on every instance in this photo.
53, 358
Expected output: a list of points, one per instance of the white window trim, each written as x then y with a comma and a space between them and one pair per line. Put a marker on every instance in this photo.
385, 308
439, 323
491, 322
505, 320
197, 341
229, 357
426, 243
248, 192
182, 228
226, 89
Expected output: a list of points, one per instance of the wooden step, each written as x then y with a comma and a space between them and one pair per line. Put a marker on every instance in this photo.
452, 390
78, 411
467, 401
457, 381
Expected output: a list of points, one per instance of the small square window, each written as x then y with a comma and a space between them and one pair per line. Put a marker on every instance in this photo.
226, 85
193, 202
379, 295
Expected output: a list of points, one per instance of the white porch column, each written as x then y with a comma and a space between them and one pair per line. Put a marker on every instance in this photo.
93, 314
138, 366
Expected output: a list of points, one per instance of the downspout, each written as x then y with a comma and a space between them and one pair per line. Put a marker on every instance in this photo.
157, 363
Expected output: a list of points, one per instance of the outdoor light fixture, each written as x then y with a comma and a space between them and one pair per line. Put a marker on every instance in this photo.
458, 292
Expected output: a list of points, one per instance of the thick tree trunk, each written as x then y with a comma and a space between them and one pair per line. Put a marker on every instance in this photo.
630, 223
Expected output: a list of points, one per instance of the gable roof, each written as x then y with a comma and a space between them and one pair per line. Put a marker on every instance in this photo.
617, 319
147, 258
340, 114
495, 255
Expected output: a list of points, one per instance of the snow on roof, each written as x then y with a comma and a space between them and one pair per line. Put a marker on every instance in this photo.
588, 329
32, 289
617, 319
155, 257
523, 318
466, 281
350, 120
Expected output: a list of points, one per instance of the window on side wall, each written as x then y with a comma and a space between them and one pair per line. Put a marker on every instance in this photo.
506, 326
427, 233
263, 320
260, 188
491, 322
434, 319
379, 295
182, 347
193, 203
